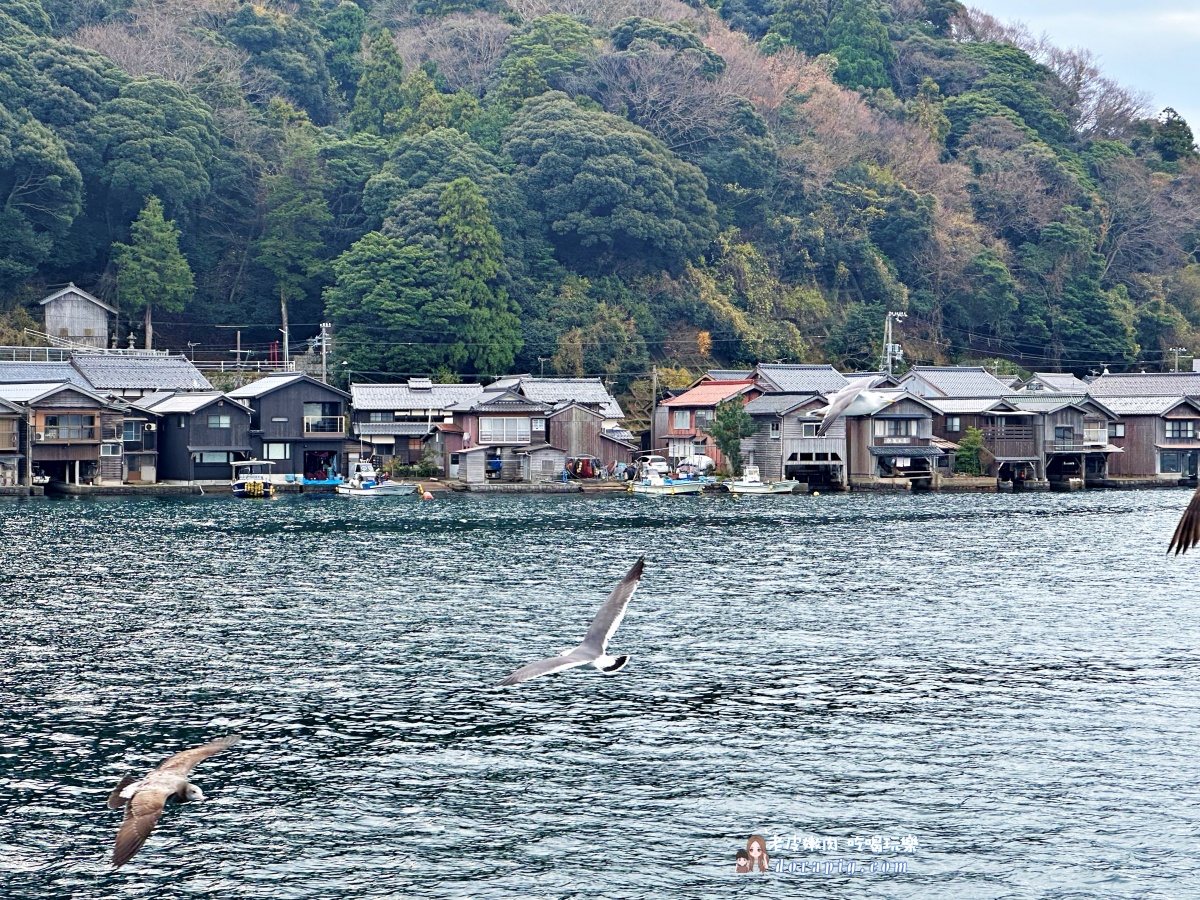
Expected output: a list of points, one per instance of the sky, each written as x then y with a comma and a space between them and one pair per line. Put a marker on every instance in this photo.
1150, 45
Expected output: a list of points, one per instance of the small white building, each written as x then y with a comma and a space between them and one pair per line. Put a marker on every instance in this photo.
74, 315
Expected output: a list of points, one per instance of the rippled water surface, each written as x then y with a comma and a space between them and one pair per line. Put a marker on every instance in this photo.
1013, 681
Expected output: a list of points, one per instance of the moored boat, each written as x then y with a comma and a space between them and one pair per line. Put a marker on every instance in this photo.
751, 483
364, 482
252, 478
654, 483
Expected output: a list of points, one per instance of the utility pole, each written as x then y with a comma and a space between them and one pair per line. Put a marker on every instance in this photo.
287, 360
653, 403
1177, 351
325, 326
891, 351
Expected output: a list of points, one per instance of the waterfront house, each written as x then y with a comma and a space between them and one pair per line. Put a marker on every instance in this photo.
399, 421
580, 430
139, 445
68, 424
1071, 437
200, 435
1010, 449
1159, 437
503, 438
785, 442
1145, 384
298, 423
689, 415
932, 382
75, 316
892, 445
12, 446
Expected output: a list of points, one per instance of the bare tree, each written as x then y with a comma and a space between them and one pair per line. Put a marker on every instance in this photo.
1145, 218
604, 13
466, 48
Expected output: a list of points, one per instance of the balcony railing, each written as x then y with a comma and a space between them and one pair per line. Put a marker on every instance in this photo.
324, 425
86, 433
1074, 445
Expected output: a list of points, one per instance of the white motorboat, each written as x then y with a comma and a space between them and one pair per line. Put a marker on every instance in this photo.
364, 482
654, 483
752, 483
252, 478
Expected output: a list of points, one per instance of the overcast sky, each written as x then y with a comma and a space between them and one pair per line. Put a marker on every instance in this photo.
1151, 45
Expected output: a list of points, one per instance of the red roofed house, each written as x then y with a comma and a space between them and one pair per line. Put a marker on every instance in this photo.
689, 415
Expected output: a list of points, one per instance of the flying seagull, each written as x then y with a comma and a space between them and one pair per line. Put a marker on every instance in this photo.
144, 800
841, 401
1187, 532
592, 648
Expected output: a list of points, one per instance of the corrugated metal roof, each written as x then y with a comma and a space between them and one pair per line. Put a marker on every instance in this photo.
79, 292
26, 393
588, 391
132, 372
266, 385
188, 402
709, 393
401, 429
966, 405
14, 372
955, 381
1146, 384
407, 396
801, 379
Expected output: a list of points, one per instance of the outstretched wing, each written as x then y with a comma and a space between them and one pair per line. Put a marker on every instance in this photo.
1187, 532
613, 611
546, 666
115, 800
141, 815
182, 763
842, 400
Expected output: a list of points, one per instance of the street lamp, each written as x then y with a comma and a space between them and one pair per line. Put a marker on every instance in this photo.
1177, 351
191, 350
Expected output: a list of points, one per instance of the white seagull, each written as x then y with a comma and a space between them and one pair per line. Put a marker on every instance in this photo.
841, 401
592, 648
144, 800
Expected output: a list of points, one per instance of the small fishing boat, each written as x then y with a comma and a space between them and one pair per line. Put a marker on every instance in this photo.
364, 482
252, 478
654, 483
752, 483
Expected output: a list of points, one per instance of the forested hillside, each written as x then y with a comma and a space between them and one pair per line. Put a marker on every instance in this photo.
474, 187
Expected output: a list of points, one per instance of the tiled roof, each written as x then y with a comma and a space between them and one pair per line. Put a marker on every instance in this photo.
801, 379
709, 393
588, 391
729, 374
504, 400
33, 372
1146, 384
1141, 406
954, 381
777, 404
113, 372
404, 396
1063, 382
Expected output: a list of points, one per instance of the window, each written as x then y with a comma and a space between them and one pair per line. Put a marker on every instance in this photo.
953, 423
220, 422
704, 418
279, 419
132, 431
1116, 429
1170, 462
503, 430
896, 427
414, 443
381, 417
1064, 434
75, 427
681, 420
110, 449
277, 451
322, 418
808, 429
210, 456
774, 431
1181, 429
537, 424
322, 409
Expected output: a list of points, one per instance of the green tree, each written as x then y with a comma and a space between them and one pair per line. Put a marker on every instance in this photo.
150, 268
381, 88
730, 424
966, 458
1173, 138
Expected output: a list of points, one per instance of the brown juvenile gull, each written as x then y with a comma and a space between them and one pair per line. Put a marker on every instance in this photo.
1187, 532
592, 648
144, 800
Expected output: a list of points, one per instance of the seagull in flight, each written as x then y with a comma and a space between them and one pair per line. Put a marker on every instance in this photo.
1187, 532
144, 800
592, 648
841, 401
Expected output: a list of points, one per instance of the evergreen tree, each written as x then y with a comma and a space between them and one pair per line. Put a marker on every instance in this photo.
730, 424
150, 268
966, 458
380, 89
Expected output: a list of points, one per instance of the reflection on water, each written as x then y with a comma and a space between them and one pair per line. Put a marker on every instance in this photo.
1011, 680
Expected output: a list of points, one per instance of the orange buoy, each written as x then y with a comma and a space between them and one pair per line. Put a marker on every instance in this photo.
427, 496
